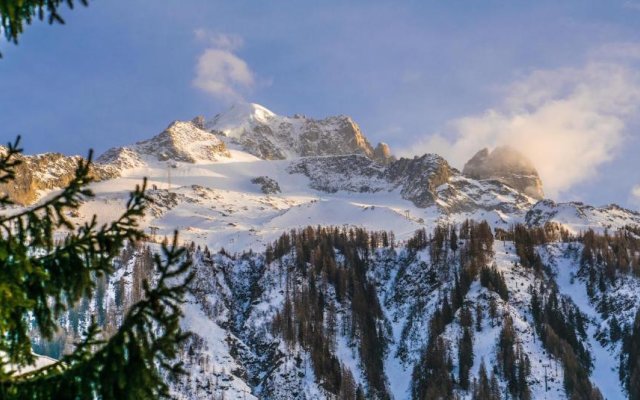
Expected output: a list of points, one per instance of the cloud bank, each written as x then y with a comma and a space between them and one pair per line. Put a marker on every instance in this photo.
568, 121
219, 71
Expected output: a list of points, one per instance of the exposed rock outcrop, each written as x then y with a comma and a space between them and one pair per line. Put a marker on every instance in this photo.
199, 122
382, 153
181, 141
267, 185
419, 177
40, 173
507, 165
352, 173
425, 181
274, 137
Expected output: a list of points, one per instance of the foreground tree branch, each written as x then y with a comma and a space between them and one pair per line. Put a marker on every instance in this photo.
41, 278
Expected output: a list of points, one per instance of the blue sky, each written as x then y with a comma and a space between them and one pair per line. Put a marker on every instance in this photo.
556, 79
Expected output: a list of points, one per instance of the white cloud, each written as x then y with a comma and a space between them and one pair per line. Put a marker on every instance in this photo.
635, 195
568, 121
219, 71
218, 40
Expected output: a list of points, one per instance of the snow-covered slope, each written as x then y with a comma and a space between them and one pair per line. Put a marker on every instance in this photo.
181, 141
580, 217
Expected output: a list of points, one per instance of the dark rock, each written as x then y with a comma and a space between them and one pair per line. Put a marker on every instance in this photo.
267, 185
382, 153
42, 172
508, 166
419, 177
352, 173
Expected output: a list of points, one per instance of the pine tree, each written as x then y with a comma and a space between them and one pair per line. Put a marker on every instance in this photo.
484, 389
479, 314
615, 331
630, 365
40, 279
453, 239
465, 357
15, 14
431, 375
466, 320
493, 311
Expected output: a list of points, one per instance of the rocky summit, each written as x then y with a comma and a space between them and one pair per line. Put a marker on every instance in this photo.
38, 174
273, 137
506, 165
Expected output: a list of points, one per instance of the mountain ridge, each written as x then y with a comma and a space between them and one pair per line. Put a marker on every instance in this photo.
270, 136
320, 152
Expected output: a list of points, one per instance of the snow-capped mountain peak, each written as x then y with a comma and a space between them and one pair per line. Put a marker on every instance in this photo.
238, 116
270, 136
181, 141
332, 157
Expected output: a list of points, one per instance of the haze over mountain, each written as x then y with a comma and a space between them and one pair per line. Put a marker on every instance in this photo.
508, 166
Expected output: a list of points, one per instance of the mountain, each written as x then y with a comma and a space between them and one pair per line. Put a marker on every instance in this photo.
273, 137
38, 174
580, 216
327, 269
506, 165
181, 141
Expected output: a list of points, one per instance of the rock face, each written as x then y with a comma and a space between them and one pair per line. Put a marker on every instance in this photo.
181, 141
267, 185
419, 177
425, 181
199, 122
40, 173
507, 165
274, 137
351, 173
382, 153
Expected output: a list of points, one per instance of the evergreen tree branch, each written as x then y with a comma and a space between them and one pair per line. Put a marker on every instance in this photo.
132, 364
8, 163
15, 14
39, 279
70, 198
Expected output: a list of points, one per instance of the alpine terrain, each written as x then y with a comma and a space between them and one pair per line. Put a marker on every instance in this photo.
327, 268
